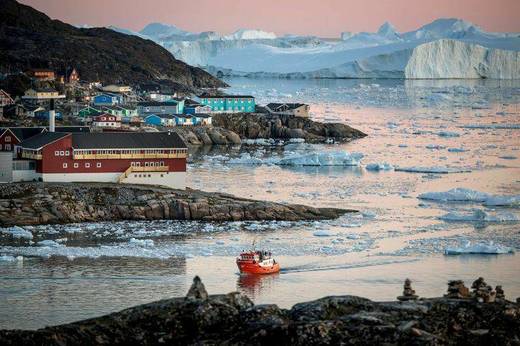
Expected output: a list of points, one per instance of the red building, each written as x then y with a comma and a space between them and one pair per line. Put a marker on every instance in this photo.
11, 136
139, 158
5, 99
41, 74
107, 121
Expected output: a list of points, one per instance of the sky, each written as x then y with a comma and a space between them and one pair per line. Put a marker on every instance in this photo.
325, 18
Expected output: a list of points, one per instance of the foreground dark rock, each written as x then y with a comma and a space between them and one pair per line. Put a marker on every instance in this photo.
51, 203
232, 319
262, 125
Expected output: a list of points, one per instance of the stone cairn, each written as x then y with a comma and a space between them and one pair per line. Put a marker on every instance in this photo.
457, 290
500, 293
408, 292
482, 292
197, 290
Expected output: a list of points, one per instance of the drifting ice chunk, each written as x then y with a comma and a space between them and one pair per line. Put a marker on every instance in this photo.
458, 194
48, 243
435, 170
379, 167
457, 150
141, 242
496, 201
330, 158
480, 216
323, 233
480, 248
448, 134
17, 232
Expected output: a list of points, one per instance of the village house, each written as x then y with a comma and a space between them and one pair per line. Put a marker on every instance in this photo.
201, 119
106, 121
43, 114
5, 99
69, 75
229, 103
167, 120
120, 157
41, 74
194, 107
119, 89
107, 99
88, 111
122, 111
11, 136
158, 97
14, 111
294, 109
152, 107
41, 94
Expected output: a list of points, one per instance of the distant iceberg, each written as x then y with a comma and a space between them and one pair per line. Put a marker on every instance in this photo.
458, 194
480, 248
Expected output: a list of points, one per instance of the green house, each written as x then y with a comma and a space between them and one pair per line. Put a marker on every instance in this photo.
89, 111
229, 103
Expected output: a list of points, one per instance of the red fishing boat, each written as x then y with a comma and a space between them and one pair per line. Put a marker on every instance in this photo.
257, 262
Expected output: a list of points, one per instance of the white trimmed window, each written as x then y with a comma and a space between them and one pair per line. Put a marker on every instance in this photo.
7, 139
76, 165
8, 147
64, 165
87, 165
98, 165
62, 153
56, 153
67, 153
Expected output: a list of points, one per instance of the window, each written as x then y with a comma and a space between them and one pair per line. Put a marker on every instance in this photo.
7, 139
162, 175
62, 153
146, 164
67, 153
98, 165
8, 147
64, 165
87, 165
56, 153
76, 165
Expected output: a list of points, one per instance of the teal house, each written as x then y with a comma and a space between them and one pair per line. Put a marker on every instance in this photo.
229, 103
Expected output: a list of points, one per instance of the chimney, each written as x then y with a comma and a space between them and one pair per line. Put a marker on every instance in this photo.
52, 117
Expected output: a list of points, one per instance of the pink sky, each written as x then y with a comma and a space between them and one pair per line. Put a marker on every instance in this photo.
326, 18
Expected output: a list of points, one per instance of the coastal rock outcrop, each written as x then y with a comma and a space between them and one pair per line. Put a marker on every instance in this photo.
51, 203
233, 319
263, 125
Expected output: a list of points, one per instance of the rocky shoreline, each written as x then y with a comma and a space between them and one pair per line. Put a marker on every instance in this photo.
235, 127
233, 319
58, 203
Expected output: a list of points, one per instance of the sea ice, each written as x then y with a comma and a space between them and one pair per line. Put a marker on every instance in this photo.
141, 242
457, 194
448, 134
480, 248
379, 167
457, 150
323, 233
48, 243
496, 201
17, 232
328, 158
435, 170
480, 216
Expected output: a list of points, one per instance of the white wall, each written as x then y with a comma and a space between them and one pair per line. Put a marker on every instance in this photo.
6, 166
26, 175
175, 180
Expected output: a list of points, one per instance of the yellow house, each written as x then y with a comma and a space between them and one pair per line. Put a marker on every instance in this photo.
117, 88
40, 94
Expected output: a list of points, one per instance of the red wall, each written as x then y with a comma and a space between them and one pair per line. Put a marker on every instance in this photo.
13, 142
54, 164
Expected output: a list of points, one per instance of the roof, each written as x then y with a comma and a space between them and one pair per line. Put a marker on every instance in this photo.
157, 103
274, 106
45, 90
72, 129
208, 96
23, 132
191, 103
40, 140
125, 140
201, 115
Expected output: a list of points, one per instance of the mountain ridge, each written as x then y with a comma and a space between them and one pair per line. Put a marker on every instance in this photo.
33, 40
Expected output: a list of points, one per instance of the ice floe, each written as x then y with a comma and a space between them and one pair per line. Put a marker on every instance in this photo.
468, 195
323, 233
141, 242
328, 158
379, 167
479, 248
17, 232
434, 170
478, 215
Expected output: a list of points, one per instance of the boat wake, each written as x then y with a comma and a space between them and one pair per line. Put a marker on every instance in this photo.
317, 267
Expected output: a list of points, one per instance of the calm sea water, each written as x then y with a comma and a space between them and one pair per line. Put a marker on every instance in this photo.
99, 268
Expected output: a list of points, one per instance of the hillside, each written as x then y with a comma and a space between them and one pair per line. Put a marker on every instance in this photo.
30, 39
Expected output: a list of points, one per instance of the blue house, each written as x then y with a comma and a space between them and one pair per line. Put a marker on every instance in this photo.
153, 107
107, 99
153, 119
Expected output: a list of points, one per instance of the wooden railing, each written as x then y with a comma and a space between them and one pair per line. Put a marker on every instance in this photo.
29, 155
129, 156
